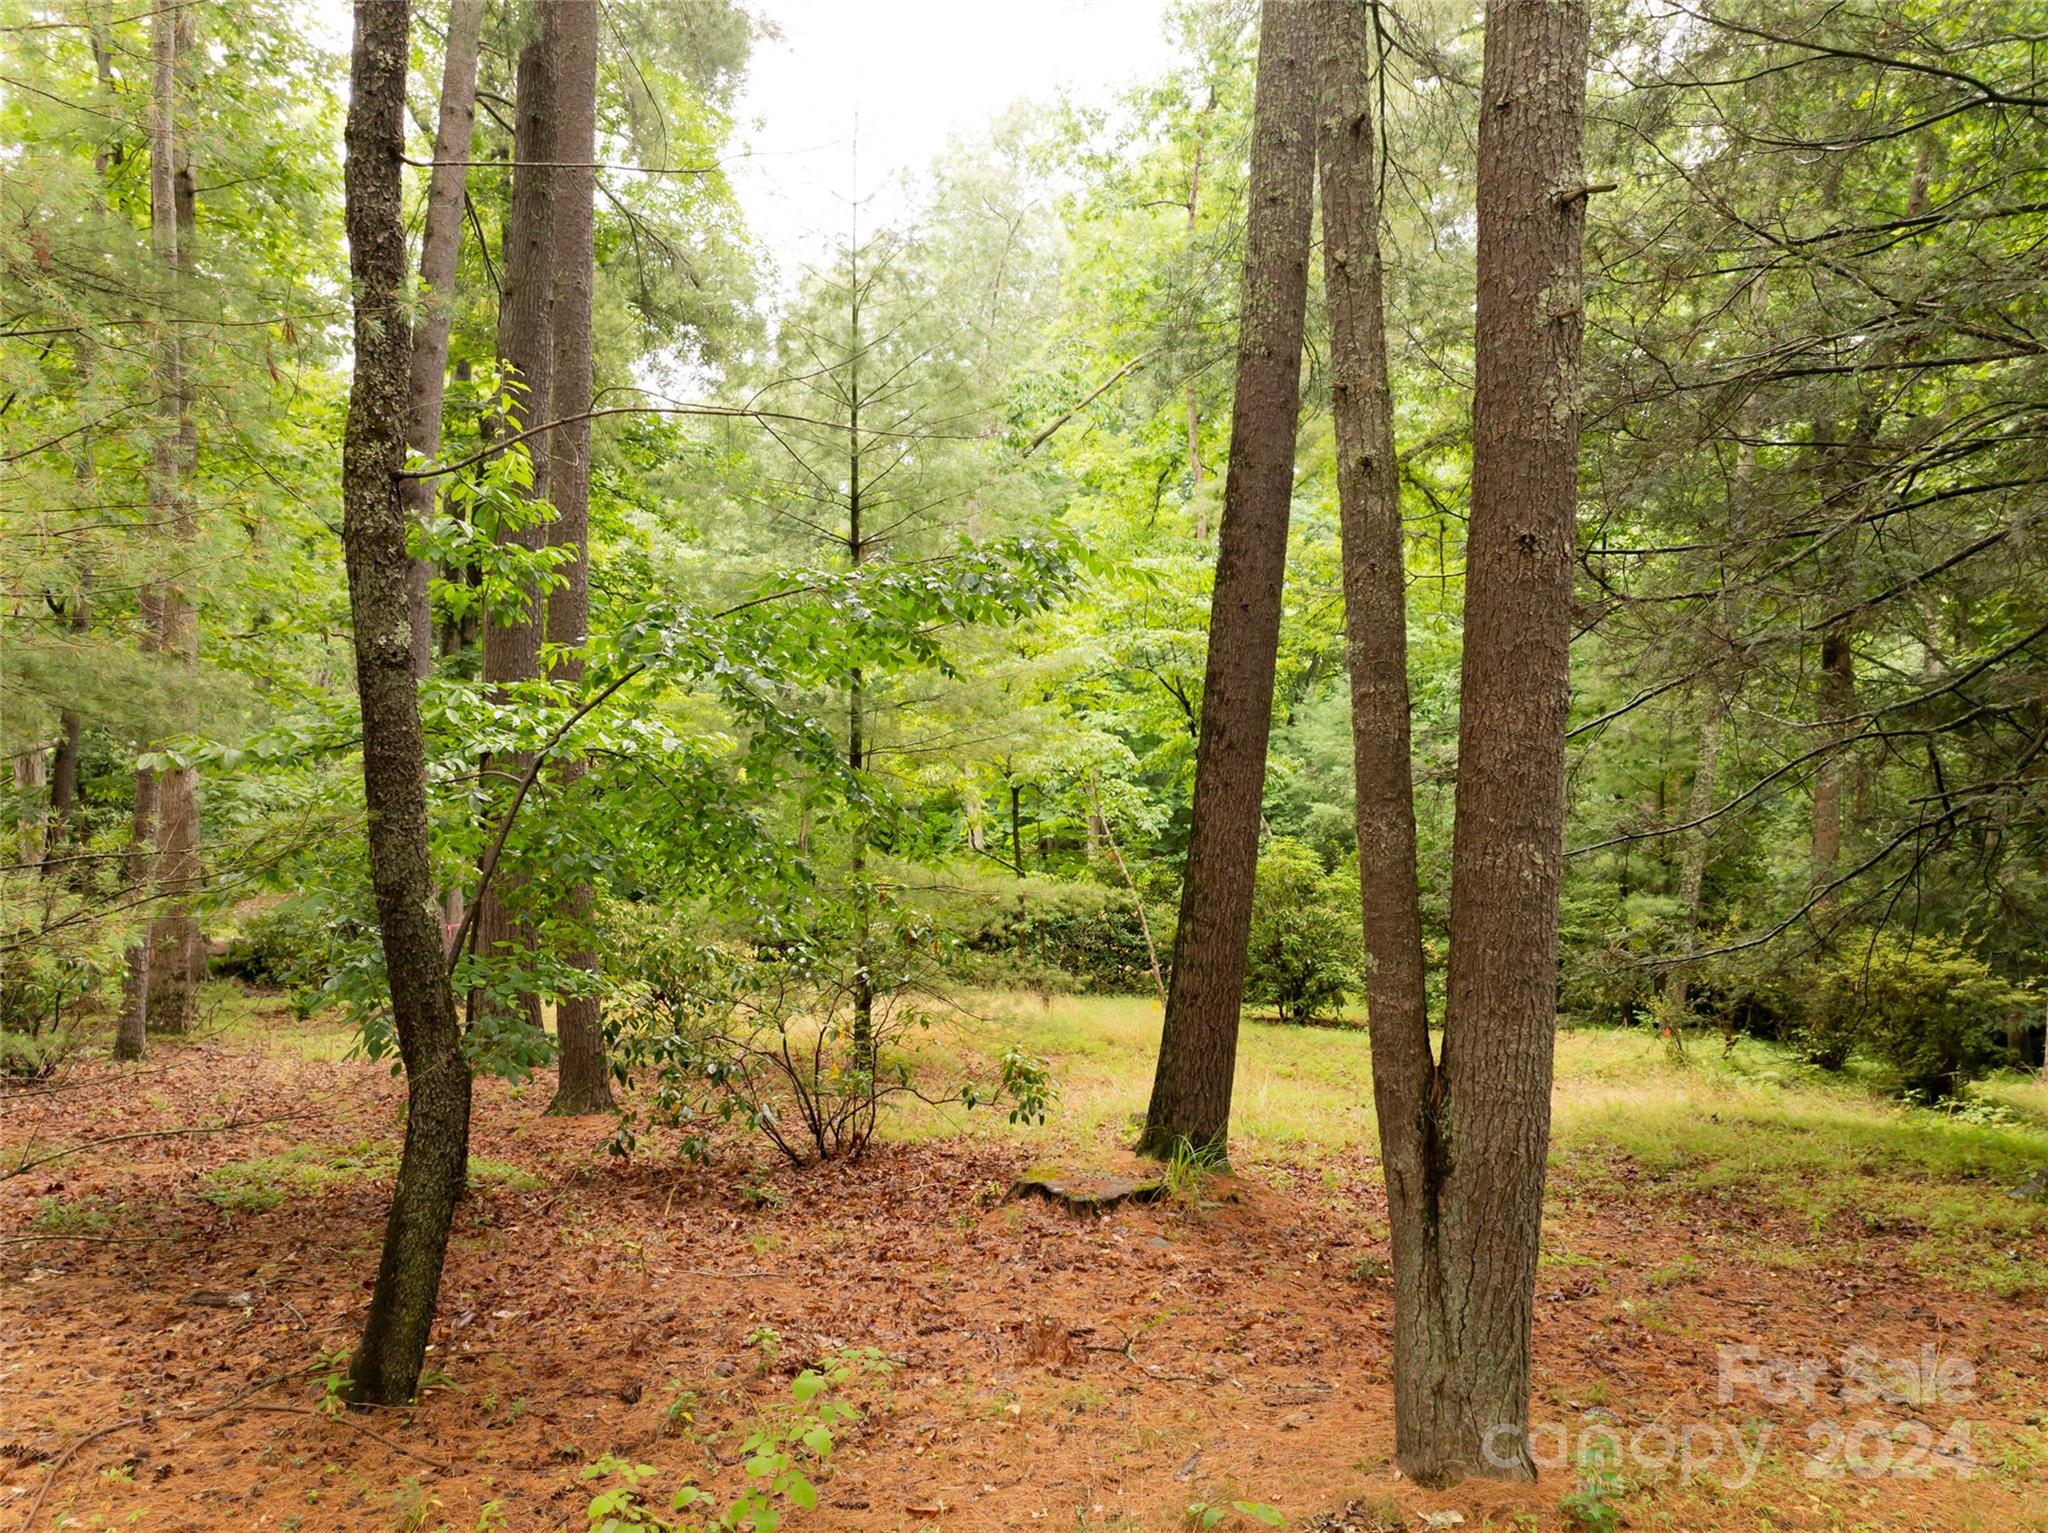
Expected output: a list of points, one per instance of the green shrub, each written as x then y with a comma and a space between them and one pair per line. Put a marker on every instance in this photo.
292, 945
66, 964
1039, 934
766, 1034
1605, 975
1928, 1009
1753, 991
29, 1057
1306, 939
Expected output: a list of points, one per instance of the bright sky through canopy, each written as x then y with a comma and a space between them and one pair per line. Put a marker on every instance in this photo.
909, 74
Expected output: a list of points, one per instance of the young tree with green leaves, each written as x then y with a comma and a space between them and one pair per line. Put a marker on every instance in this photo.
434, 1163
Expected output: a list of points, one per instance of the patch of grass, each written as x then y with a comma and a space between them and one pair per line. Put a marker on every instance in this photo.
262, 1020
499, 1173
1831, 1153
308, 1170
2024, 1095
1749, 1124
67, 1216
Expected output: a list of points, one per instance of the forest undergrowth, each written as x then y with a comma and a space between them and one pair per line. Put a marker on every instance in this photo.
176, 1303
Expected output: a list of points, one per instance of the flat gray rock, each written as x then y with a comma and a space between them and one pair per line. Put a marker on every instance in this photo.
1086, 1192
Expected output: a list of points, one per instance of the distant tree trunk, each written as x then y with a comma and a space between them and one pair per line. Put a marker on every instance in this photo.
1479, 1130
31, 770
584, 1083
511, 650
132, 1030
1834, 704
1197, 476
70, 737
1198, 1044
863, 1039
1699, 841
63, 786
1016, 829
386, 1366
1404, 1073
439, 249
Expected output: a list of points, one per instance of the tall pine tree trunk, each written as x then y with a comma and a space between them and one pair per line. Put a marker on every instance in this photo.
584, 1084
511, 648
439, 248
177, 945
163, 505
1482, 1129
386, 1366
1198, 1046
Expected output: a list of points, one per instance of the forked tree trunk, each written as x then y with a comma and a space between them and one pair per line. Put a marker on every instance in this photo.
439, 248
511, 649
386, 1366
584, 1083
1198, 1045
1483, 1129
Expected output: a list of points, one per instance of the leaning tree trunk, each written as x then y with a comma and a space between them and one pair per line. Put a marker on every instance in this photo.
1462, 1361
439, 247
511, 647
386, 1367
1198, 1046
584, 1083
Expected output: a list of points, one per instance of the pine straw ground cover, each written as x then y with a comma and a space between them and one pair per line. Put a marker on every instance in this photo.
169, 1306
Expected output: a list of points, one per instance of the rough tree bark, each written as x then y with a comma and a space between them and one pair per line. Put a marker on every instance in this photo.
584, 1083
386, 1366
439, 248
1462, 1352
511, 649
1198, 1045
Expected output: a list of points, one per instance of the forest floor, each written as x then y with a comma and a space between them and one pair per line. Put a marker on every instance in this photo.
1765, 1302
